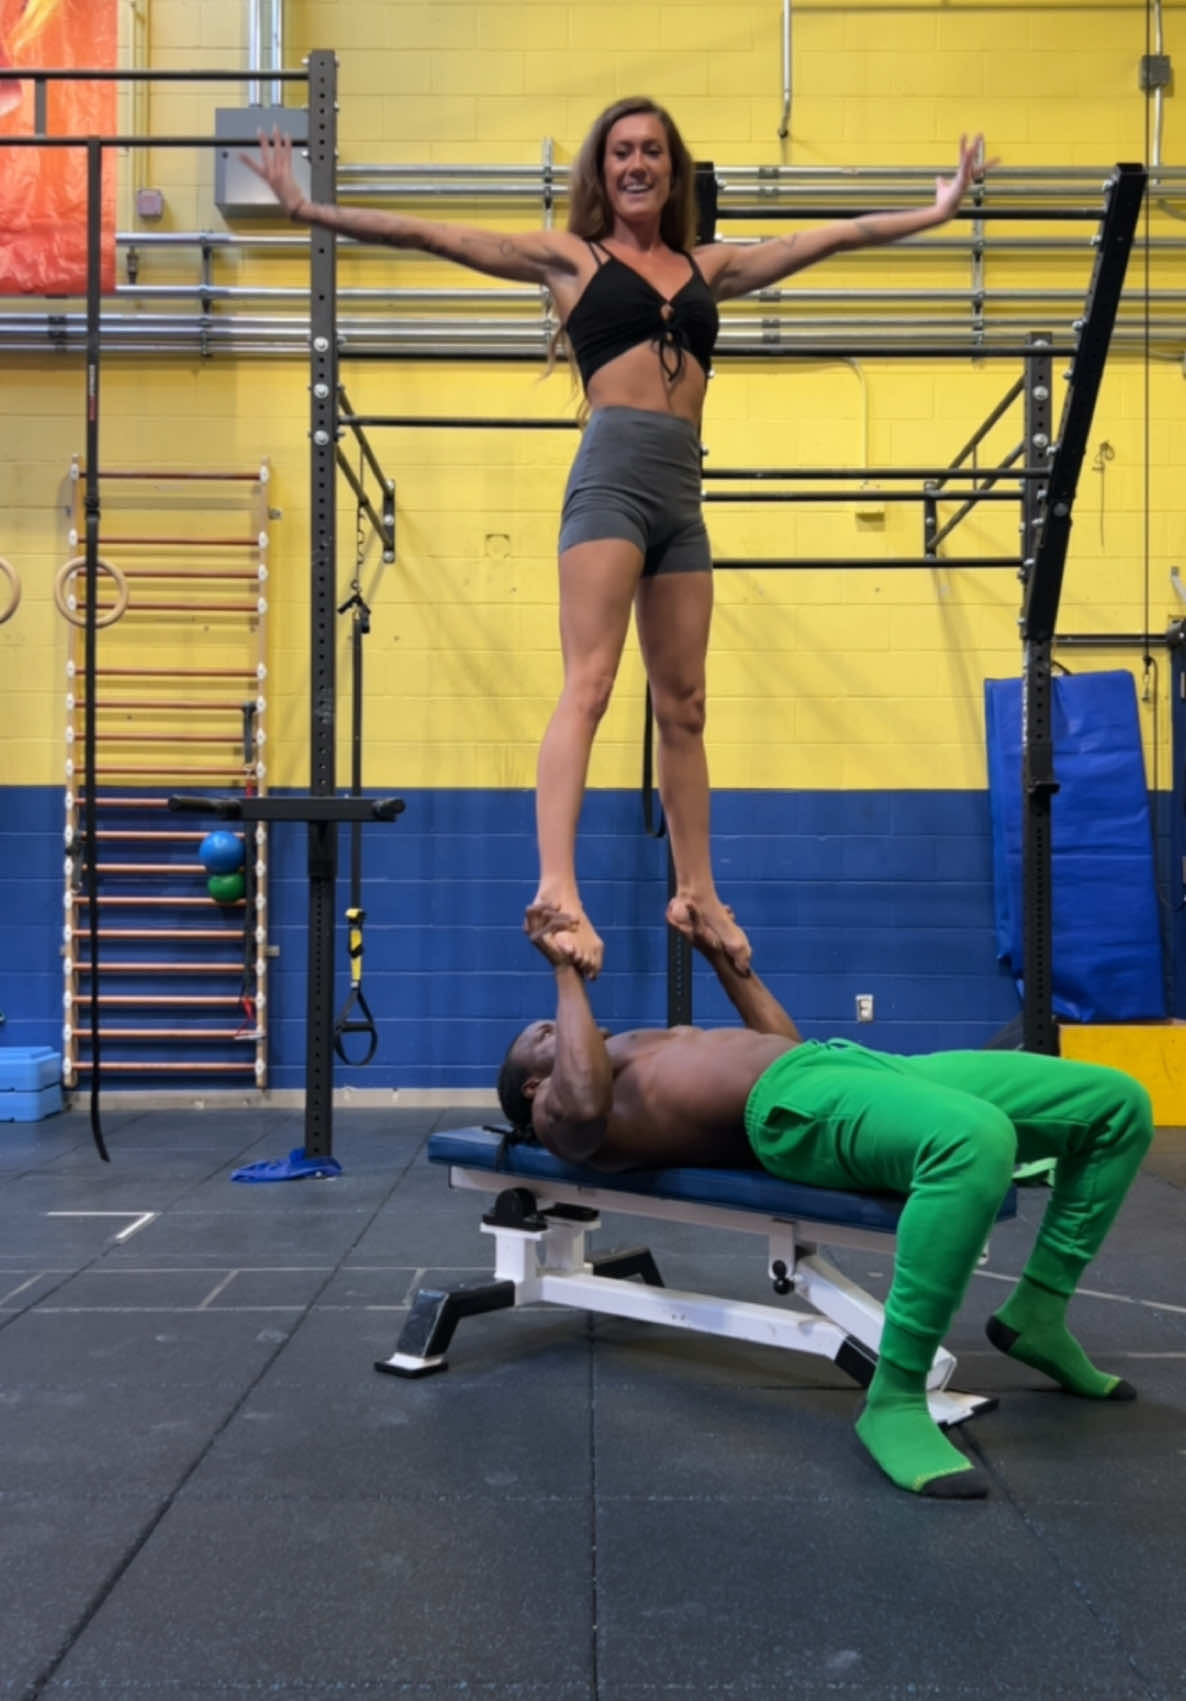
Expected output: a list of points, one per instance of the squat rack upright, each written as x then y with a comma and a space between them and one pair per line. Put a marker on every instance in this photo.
320, 808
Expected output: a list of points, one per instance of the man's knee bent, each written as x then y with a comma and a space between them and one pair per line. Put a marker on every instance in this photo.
1134, 1109
978, 1155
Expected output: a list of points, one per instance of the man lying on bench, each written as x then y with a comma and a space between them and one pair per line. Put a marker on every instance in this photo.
945, 1130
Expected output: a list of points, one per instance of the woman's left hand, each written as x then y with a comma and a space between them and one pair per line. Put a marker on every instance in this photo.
949, 191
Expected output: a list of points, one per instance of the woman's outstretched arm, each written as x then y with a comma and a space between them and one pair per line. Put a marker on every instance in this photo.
733, 271
523, 257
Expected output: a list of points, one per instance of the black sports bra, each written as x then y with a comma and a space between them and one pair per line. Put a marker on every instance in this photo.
619, 309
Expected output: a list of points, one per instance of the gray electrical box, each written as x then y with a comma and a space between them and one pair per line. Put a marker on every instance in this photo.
238, 192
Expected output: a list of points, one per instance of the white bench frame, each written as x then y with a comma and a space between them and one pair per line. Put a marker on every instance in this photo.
545, 1262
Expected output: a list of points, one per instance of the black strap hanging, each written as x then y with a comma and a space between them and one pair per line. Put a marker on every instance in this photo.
655, 826
355, 1016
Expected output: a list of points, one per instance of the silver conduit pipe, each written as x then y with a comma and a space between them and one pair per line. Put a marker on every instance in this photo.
784, 122
36, 333
931, 244
255, 36
276, 51
265, 48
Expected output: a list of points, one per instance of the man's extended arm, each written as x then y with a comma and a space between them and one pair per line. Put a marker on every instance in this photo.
571, 1107
754, 1002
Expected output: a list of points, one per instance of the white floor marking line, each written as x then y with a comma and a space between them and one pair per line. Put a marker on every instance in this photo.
219, 1287
142, 1218
1097, 1293
12, 1292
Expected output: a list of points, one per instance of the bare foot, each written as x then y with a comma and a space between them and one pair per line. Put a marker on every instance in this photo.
711, 927
565, 934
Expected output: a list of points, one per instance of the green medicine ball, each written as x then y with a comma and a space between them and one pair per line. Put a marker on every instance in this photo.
226, 888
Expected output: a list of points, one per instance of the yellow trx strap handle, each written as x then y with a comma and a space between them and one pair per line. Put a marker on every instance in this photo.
349, 1022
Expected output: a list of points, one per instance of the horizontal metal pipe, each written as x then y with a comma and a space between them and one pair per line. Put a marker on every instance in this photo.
347, 173
748, 496
769, 211
872, 473
1118, 640
956, 244
277, 292
530, 297
106, 142
800, 351
437, 421
436, 192
21, 74
194, 344
871, 563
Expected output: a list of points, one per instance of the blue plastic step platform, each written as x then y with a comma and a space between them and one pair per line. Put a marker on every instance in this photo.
30, 1083
31, 1107
27, 1069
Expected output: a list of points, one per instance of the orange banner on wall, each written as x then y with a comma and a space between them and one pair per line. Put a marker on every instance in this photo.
43, 190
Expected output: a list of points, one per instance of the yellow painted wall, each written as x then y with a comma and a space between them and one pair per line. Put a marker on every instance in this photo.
818, 679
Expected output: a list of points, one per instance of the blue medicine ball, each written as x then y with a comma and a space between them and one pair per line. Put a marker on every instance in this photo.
221, 853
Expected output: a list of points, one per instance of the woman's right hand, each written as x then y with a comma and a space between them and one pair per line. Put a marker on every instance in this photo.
274, 165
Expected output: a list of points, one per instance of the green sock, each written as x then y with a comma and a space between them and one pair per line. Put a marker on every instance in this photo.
1031, 1326
908, 1444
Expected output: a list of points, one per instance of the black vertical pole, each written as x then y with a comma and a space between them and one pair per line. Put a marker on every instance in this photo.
1038, 782
323, 835
94, 280
1045, 557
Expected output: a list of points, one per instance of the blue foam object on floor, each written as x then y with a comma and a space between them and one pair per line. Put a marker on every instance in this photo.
29, 1069
31, 1107
297, 1166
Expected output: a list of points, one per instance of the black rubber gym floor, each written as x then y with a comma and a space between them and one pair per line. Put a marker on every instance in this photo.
206, 1490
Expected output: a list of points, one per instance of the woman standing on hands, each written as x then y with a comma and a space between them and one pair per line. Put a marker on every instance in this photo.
639, 310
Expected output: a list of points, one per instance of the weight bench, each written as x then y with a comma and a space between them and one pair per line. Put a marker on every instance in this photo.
543, 1208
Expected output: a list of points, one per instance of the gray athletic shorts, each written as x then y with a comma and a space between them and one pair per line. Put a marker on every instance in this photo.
637, 476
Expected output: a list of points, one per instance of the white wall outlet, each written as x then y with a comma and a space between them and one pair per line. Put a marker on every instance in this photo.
864, 1006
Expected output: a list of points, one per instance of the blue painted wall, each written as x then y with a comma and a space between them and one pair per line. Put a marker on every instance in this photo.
882, 893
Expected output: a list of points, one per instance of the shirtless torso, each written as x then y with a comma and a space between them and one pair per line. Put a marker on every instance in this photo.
679, 1095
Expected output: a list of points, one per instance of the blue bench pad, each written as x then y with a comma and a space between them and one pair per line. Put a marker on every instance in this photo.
738, 1189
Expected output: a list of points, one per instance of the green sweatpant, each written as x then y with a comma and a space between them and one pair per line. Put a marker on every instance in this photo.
946, 1130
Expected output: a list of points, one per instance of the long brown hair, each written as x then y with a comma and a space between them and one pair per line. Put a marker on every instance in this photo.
589, 213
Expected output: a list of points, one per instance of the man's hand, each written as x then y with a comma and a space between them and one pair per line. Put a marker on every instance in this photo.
274, 165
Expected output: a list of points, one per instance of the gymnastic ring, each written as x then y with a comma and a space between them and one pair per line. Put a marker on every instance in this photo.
8, 571
76, 564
